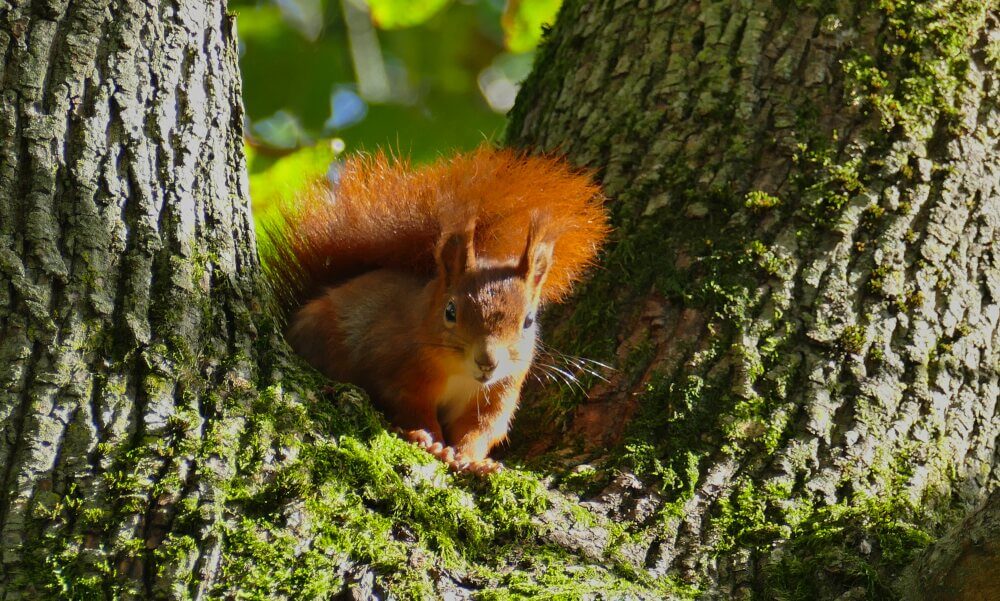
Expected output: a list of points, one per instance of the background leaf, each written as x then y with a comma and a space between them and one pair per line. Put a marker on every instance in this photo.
392, 14
523, 21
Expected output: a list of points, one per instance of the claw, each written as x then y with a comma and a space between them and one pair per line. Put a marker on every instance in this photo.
487, 466
479, 467
421, 438
447, 454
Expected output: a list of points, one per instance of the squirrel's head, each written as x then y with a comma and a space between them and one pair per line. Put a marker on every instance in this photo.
488, 310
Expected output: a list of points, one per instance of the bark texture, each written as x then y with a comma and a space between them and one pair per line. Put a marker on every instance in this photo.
803, 294
805, 287
127, 262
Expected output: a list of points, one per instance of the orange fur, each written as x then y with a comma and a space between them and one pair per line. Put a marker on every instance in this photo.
383, 213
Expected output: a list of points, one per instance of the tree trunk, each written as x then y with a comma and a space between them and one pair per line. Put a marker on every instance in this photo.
127, 263
805, 285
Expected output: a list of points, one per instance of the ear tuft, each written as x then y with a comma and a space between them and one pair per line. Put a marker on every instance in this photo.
536, 259
456, 254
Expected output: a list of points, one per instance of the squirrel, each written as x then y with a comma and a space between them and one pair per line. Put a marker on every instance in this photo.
423, 285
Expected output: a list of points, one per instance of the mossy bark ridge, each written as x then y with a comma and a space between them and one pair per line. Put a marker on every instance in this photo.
805, 281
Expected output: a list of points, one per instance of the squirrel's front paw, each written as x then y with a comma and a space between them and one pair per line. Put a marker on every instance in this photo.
447, 454
481, 467
425, 440
421, 438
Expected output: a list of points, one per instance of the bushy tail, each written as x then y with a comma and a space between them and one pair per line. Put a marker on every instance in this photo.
383, 213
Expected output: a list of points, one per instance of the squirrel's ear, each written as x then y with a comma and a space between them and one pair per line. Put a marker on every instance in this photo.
536, 259
456, 255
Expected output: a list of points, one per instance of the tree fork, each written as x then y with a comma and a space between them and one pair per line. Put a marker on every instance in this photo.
157, 442
804, 281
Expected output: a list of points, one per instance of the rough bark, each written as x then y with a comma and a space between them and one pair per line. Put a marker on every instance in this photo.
805, 286
803, 293
127, 262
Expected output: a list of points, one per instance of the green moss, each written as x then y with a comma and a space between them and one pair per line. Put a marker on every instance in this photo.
919, 76
861, 545
265, 564
584, 480
877, 279
759, 201
766, 259
667, 439
852, 339
871, 217
561, 578
363, 496
875, 353
810, 551
69, 576
753, 420
743, 519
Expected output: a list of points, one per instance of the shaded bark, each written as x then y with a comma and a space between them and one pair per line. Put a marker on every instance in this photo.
963, 564
805, 287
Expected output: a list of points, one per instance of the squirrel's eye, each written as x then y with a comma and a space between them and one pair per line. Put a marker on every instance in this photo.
529, 321
450, 312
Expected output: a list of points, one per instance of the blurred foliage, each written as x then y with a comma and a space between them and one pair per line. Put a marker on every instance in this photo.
523, 21
389, 14
278, 179
420, 77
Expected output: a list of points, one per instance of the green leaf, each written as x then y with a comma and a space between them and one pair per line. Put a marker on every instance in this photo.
523, 21
394, 14
276, 180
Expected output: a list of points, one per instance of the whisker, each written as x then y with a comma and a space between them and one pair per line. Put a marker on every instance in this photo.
548, 373
600, 364
584, 361
569, 375
587, 370
568, 378
576, 364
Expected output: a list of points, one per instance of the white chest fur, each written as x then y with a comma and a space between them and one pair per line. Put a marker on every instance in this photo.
458, 392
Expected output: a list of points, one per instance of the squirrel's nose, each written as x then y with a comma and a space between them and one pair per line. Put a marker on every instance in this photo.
487, 363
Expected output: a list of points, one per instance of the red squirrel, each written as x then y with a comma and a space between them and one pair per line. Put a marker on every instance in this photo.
423, 285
